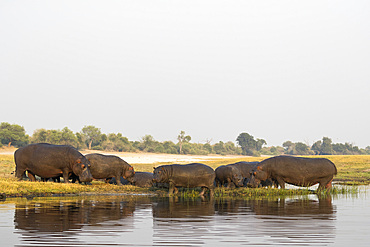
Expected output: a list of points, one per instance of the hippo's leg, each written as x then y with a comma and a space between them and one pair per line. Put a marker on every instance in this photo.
218, 183
56, 179
229, 183
280, 182
66, 176
203, 191
19, 173
31, 176
118, 179
211, 191
325, 183
171, 188
176, 190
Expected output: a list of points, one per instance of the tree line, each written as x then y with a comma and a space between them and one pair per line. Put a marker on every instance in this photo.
91, 137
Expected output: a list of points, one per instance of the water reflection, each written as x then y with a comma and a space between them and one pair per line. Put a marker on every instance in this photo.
144, 221
67, 215
301, 221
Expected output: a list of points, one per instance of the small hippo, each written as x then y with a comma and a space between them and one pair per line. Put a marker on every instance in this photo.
246, 168
295, 170
108, 166
230, 175
188, 176
143, 179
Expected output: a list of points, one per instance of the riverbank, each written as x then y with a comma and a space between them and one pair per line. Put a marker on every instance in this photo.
352, 169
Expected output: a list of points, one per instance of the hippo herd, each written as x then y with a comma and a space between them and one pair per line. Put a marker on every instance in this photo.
54, 161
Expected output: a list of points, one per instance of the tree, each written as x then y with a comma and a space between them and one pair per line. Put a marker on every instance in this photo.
182, 139
68, 137
57, 137
219, 148
247, 143
260, 143
148, 143
301, 148
13, 133
316, 147
91, 135
326, 146
288, 147
39, 136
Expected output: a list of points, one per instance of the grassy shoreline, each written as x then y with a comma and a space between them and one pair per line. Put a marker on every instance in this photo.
352, 170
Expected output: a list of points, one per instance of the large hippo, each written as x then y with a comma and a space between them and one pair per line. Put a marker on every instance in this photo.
229, 175
49, 161
188, 176
295, 170
109, 166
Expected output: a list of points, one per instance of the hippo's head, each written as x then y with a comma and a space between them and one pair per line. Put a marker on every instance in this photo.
129, 173
159, 175
257, 175
237, 177
81, 168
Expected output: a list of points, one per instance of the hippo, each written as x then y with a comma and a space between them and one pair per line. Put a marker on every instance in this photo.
49, 161
108, 166
246, 168
297, 171
230, 175
143, 179
140, 179
188, 176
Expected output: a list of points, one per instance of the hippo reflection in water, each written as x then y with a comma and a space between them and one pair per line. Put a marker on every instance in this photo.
51, 216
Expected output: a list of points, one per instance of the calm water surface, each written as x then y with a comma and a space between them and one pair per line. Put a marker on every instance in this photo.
148, 221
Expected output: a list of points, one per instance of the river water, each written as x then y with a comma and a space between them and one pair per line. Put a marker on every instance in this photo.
340, 220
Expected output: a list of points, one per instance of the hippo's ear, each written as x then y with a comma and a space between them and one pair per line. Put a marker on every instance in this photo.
131, 168
153, 167
259, 168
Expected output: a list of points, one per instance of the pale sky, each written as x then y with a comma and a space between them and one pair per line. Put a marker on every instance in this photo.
278, 70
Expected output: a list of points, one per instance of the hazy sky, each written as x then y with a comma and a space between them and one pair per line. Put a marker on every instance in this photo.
278, 70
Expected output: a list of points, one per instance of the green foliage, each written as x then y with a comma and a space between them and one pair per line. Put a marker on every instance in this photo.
326, 147
91, 136
13, 134
116, 142
249, 145
298, 148
57, 137
273, 150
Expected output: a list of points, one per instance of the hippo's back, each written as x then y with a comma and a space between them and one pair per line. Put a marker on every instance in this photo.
42, 152
245, 167
294, 166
